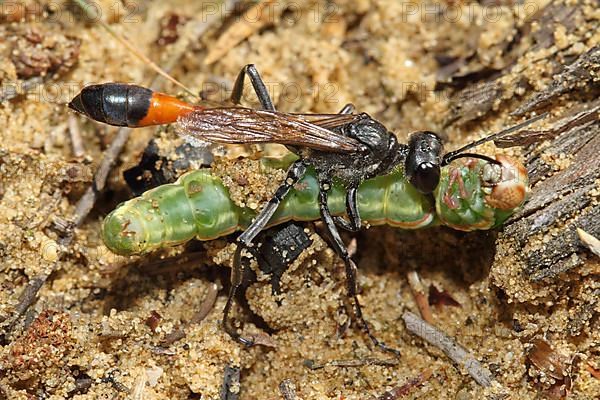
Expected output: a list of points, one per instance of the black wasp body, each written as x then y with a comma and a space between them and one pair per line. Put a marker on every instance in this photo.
376, 152
380, 153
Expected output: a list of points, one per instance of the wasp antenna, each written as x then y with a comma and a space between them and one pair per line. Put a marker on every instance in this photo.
452, 155
448, 160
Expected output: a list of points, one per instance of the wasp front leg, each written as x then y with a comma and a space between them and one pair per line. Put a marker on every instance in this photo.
350, 266
244, 241
347, 109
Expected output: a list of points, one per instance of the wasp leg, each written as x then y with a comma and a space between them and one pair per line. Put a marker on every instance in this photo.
354, 223
259, 88
257, 83
351, 283
294, 174
351, 204
347, 109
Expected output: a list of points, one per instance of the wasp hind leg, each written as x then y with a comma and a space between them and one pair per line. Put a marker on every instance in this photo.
347, 109
261, 92
244, 241
351, 271
257, 83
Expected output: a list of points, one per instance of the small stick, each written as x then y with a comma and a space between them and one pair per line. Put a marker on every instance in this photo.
87, 201
401, 391
256, 17
75, 134
594, 372
353, 363
418, 290
453, 350
91, 14
174, 336
207, 305
139, 386
288, 389
590, 241
163, 351
28, 296
365, 361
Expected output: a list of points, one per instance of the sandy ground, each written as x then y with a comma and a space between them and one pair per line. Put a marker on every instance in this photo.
100, 328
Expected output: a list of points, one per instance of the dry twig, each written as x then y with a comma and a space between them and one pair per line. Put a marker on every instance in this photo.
75, 135
361, 362
91, 14
453, 350
260, 15
418, 291
594, 372
403, 390
590, 241
206, 306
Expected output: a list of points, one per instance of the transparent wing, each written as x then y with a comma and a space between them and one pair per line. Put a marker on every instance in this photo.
329, 121
238, 125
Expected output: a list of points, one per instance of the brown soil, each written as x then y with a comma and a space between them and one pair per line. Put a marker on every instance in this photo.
99, 325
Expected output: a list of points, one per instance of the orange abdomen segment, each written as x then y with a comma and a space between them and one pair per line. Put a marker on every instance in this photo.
164, 109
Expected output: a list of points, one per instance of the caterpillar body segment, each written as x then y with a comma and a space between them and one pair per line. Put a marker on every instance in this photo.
196, 205
473, 194
468, 197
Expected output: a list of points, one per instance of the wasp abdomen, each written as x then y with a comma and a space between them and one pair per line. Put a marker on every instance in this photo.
122, 104
114, 103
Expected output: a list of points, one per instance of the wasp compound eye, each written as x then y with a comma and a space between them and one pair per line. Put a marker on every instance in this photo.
422, 165
426, 177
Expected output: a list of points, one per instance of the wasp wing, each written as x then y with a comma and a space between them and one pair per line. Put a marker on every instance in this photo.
330, 121
238, 125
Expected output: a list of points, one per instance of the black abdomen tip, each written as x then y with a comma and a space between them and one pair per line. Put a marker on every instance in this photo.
116, 104
89, 102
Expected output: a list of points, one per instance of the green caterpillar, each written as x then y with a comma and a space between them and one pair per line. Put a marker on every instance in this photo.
472, 194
